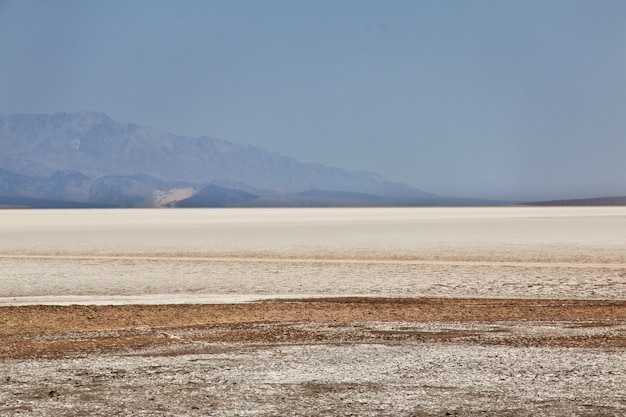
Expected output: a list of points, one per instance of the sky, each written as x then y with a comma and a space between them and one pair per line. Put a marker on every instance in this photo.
521, 100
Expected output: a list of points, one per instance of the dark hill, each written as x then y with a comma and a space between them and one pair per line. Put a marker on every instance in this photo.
601, 201
214, 196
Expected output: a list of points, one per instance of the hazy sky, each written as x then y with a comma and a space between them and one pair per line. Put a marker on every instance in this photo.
495, 99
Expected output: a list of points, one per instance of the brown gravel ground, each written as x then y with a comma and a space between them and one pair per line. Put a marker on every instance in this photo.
52, 331
411, 357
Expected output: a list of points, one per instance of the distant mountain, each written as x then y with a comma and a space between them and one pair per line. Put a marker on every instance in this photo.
601, 201
215, 196
88, 159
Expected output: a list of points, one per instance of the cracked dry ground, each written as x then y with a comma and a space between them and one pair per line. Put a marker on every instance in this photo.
316, 357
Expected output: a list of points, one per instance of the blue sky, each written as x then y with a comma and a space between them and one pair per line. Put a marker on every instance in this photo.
492, 99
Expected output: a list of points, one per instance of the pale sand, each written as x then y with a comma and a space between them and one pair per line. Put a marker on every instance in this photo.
210, 255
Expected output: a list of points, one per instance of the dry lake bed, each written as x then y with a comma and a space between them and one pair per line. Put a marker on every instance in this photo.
513, 311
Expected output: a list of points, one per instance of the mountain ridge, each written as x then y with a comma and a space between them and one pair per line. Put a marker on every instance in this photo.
89, 158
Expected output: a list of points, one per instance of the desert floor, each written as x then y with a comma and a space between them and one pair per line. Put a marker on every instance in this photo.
317, 357
512, 311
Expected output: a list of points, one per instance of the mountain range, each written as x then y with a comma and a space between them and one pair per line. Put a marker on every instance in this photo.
86, 159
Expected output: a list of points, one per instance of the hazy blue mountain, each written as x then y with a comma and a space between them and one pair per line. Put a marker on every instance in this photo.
88, 158
215, 196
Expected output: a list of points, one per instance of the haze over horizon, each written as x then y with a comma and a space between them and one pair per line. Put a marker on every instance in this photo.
486, 99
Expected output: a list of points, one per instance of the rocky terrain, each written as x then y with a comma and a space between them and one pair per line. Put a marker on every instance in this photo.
316, 357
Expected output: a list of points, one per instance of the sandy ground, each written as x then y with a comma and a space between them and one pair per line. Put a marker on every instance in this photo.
506, 312
317, 357
210, 255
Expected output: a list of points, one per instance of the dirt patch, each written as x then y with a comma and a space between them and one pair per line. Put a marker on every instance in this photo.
322, 357
52, 331
42, 318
